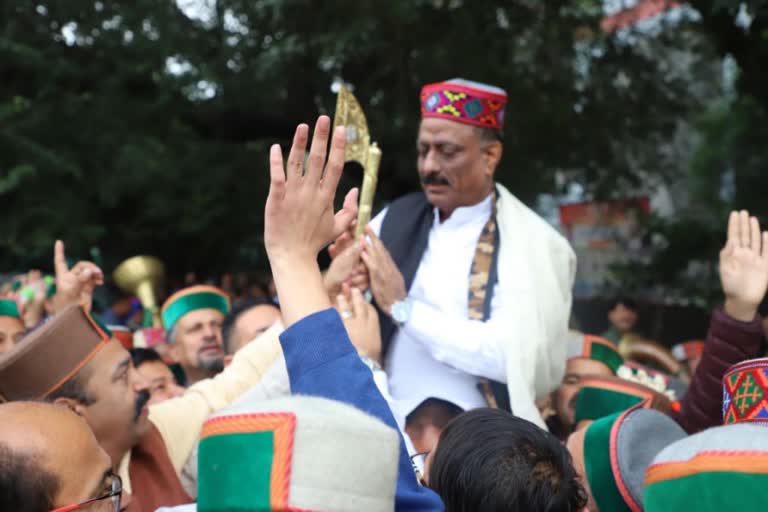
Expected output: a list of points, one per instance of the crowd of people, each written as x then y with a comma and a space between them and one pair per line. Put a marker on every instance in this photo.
430, 367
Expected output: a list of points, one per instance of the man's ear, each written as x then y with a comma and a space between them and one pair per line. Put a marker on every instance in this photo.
73, 405
493, 152
174, 353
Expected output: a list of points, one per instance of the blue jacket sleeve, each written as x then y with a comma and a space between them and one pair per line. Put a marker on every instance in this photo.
322, 362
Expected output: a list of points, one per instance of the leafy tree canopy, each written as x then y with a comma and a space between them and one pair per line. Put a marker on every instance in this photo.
143, 126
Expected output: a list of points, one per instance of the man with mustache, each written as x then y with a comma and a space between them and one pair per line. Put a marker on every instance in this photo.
162, 383
588, 356
472, 287
72, 361
193, 318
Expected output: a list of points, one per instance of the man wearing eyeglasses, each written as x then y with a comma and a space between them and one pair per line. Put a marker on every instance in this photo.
51, 461
74, 362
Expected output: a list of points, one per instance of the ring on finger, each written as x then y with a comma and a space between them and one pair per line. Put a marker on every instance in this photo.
298, 168
346, 314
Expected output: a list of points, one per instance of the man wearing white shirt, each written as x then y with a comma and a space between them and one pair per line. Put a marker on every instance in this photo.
472, 287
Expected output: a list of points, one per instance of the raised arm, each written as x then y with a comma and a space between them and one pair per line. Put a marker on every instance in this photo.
735, 332
299, 222
75, 285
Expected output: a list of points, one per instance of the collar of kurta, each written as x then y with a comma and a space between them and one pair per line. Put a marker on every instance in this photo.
466, 214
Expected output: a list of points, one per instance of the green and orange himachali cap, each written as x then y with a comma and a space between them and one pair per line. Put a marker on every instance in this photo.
191, 299
9, 308
596, 348
723, 468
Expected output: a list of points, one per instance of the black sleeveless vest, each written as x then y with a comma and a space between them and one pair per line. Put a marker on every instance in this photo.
405, 234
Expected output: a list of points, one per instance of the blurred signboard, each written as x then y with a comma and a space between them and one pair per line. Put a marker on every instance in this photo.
602, 234
622, 14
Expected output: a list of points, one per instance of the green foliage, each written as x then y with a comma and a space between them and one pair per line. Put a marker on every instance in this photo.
136, 128
682, 268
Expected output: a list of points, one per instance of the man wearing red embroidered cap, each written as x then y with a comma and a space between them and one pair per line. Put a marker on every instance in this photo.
473, 288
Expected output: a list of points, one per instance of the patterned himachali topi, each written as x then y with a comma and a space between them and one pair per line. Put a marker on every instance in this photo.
302, 453
466, 102
745, 392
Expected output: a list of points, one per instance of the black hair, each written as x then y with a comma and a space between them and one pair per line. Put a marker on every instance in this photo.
557, 427
433, 411
115, 293
627, 302
488, 135
238, 309
24, 483
144, 355
488, 459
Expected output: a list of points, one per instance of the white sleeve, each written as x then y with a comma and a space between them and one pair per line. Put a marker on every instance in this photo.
382, 384
471, 346
377, 221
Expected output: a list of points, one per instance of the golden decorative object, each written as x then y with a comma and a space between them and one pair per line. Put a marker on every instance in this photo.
142, 276
359, 149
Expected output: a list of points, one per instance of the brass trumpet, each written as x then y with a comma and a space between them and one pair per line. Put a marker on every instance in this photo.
142, 276
359, 149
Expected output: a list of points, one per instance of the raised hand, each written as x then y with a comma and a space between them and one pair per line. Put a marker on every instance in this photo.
299, 219
75, 285
744, 266
361, 322
343, 242
387, 283
33, 296
346, 268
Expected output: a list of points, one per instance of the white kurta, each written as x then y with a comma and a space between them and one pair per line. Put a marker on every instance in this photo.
428, 359
441, 353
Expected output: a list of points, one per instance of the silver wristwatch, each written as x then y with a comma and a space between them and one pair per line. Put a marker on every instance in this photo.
401, 311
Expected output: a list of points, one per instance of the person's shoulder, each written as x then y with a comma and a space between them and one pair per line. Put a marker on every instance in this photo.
412, 200
534, 223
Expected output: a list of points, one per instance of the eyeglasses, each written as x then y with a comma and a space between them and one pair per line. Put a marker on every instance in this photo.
113, 496
418, 461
